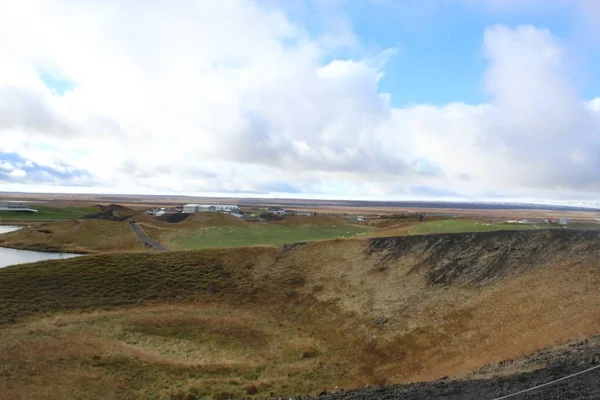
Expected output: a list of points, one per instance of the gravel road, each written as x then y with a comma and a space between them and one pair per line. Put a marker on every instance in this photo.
146, 239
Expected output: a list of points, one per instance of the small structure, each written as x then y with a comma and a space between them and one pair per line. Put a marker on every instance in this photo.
360, 218
191, 208
156, 211
564, 221
196, 208
17, 207
228, 208
276, 211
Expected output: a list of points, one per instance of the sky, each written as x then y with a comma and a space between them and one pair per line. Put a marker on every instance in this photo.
492, 100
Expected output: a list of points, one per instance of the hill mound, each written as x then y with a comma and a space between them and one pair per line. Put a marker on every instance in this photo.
274, 321
75, 236
174, 218
112, 212
214, 219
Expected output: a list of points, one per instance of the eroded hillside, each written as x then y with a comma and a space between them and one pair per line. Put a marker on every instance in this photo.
299, 319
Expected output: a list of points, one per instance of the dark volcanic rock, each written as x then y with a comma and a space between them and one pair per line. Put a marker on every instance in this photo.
479, 257
559, 363
112, 212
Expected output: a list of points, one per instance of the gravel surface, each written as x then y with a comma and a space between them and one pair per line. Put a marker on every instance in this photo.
146, 239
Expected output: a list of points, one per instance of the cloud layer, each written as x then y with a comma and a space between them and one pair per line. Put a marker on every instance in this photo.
239, 96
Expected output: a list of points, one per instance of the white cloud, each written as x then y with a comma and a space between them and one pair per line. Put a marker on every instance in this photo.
235, 96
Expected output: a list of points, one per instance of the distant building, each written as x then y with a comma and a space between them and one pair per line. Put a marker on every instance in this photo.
276, 211
229, 208
196, 208
360, 218
17, 207
564, 221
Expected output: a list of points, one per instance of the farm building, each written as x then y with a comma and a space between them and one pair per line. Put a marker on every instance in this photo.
276, 211
227, 208
196, 208
18, 207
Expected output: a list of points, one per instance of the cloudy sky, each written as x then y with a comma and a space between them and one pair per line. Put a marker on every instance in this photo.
373, 99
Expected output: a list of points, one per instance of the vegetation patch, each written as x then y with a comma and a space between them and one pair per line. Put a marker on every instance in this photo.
255, 234
48, 213
76, 236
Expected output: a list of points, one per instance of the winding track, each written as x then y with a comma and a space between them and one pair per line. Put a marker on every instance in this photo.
146, 239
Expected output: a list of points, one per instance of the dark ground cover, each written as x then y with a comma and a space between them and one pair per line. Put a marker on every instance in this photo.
558, 363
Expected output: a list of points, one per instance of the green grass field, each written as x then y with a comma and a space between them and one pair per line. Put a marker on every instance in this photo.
256, 234
48, 213
468, 225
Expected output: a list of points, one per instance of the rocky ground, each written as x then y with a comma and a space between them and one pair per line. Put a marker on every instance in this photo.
491, 381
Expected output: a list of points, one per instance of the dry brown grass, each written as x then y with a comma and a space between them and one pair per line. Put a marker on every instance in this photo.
297, 321
76, 236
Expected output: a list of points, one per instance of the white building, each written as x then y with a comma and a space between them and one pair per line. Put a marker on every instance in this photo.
227, 208
276, 211
196, 208
16, 207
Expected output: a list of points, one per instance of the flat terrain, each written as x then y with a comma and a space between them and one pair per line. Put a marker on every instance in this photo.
469, 225
320, 206
273, 321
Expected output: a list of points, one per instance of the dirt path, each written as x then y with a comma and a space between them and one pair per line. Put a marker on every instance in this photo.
146, 239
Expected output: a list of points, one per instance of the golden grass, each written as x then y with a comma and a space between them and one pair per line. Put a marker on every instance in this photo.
76, 236
217, 322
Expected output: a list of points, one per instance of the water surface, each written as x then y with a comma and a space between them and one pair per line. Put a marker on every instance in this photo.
12, 256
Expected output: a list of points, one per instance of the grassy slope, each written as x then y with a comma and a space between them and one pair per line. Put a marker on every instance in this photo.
214, 322
258, 234
225, 231
48, 213
78, 236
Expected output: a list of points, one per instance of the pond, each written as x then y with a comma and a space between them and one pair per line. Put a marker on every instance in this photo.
12, 256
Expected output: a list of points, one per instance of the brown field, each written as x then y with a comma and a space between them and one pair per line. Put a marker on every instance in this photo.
140, 202
265, 321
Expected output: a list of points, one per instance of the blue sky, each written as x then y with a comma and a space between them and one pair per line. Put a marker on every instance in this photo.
440, 45
291, 98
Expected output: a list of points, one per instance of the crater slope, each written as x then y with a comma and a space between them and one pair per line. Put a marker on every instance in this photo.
283, 321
